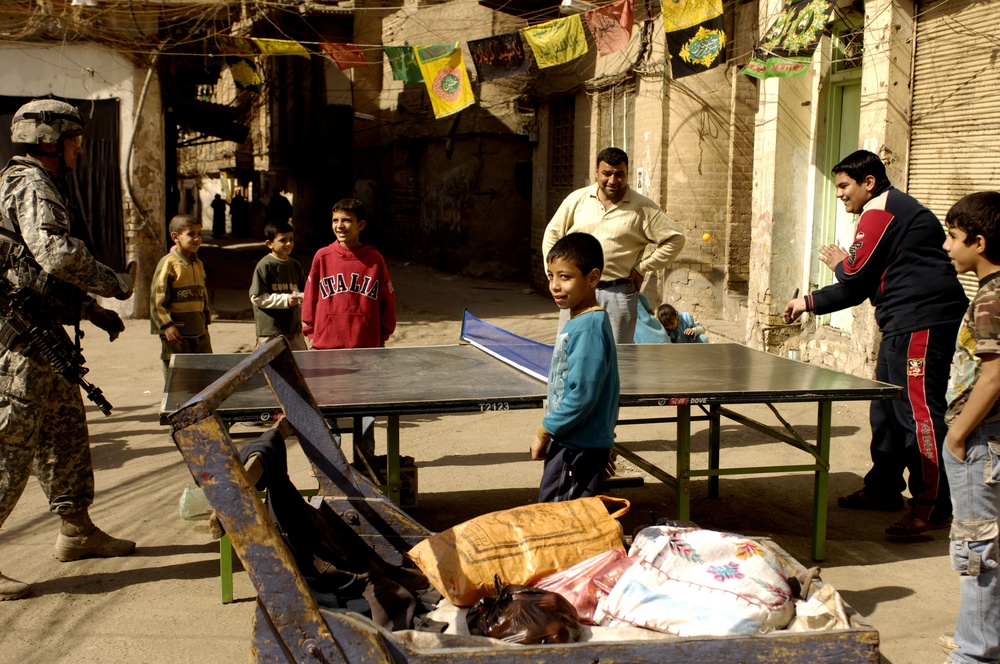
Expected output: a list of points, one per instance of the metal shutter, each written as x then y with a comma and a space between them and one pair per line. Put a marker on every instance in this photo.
955, 127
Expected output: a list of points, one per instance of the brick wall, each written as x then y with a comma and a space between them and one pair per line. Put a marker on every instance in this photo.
697, 188
693, 140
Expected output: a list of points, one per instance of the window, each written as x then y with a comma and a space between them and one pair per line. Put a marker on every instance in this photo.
848, 49
562, 125
616, 110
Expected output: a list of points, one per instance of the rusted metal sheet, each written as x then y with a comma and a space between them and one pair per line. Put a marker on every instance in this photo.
829, 647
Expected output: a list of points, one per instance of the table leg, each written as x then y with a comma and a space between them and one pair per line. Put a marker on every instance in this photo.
356, 434
392, 458
226, 568
714, 448
683, 463
821, 487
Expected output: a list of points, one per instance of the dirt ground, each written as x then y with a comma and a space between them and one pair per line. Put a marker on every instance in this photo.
162, 603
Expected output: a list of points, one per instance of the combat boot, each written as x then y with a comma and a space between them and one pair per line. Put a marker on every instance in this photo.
12, 588
79, 538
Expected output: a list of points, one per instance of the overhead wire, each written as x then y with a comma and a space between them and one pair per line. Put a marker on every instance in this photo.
197, 24
195, 13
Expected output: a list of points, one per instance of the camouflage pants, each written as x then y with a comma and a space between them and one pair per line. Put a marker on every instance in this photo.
43, 426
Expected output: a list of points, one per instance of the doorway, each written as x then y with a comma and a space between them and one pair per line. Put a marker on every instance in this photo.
834, 225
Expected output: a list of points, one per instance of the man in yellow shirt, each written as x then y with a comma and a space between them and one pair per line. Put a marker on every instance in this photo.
625, 223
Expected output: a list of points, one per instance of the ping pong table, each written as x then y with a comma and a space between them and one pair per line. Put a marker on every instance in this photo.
461, 378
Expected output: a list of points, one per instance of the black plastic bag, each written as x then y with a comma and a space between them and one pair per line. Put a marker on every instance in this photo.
522, 614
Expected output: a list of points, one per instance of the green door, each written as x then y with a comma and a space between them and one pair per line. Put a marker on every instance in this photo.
835, 226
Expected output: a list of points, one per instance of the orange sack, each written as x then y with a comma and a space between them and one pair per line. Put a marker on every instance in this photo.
521, 545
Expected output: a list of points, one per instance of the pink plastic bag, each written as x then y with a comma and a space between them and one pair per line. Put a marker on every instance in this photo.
584, 583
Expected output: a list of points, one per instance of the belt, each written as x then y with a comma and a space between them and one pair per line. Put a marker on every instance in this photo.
615, 282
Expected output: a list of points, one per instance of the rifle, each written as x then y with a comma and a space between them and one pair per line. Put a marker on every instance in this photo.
22, 310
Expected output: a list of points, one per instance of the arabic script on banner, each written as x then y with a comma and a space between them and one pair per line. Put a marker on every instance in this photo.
787, 48
445, 77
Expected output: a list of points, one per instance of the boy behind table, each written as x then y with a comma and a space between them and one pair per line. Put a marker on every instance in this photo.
972, 445
276, 291
681, 327
349, 301
178, 302
577, 432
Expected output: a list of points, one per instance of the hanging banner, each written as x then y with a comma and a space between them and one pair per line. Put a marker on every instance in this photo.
558, 41
498, 56
696, 35
684, 14
345, 55
280, 47
237, 47
403, 64
445, 77
239, 54
611, 26
245, 75
787, 48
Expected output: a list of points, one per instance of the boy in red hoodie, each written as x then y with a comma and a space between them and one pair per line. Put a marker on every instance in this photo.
349, 301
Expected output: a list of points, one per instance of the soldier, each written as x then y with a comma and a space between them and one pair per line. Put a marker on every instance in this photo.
42, 418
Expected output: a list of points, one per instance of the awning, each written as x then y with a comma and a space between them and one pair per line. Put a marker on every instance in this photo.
209, 119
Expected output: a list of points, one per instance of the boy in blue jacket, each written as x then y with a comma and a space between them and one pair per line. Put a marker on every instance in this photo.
681, 327
577, 432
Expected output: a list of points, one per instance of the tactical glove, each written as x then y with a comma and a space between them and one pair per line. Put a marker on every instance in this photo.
107, 320
126, 281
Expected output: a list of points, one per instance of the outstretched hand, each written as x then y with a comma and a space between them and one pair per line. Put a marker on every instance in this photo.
795, 308
126, 281
832, 255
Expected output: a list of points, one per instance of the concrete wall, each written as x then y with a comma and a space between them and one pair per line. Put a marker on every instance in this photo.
699, 188
88, 71
783, 196
446, 187
692, 139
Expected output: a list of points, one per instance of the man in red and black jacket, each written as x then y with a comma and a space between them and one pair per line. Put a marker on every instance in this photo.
897, 261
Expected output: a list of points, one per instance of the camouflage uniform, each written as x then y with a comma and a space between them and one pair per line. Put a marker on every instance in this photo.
42, 418
979, 335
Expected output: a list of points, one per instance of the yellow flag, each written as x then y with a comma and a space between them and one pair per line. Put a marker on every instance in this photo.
280, 47
445, 77
683, 14
558, 41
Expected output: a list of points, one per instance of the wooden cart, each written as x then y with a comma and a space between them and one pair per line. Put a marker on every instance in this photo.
289, 626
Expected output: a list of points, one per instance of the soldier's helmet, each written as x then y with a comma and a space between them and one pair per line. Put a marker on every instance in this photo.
45, 121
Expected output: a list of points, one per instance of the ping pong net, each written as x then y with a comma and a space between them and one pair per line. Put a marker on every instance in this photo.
526, 355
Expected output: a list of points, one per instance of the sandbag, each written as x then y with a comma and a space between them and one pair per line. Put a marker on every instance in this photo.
520, 545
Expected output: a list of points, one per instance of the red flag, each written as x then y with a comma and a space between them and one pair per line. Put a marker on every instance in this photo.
611, 26
345, 55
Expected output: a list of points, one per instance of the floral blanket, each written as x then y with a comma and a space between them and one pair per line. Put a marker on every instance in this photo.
693, 582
